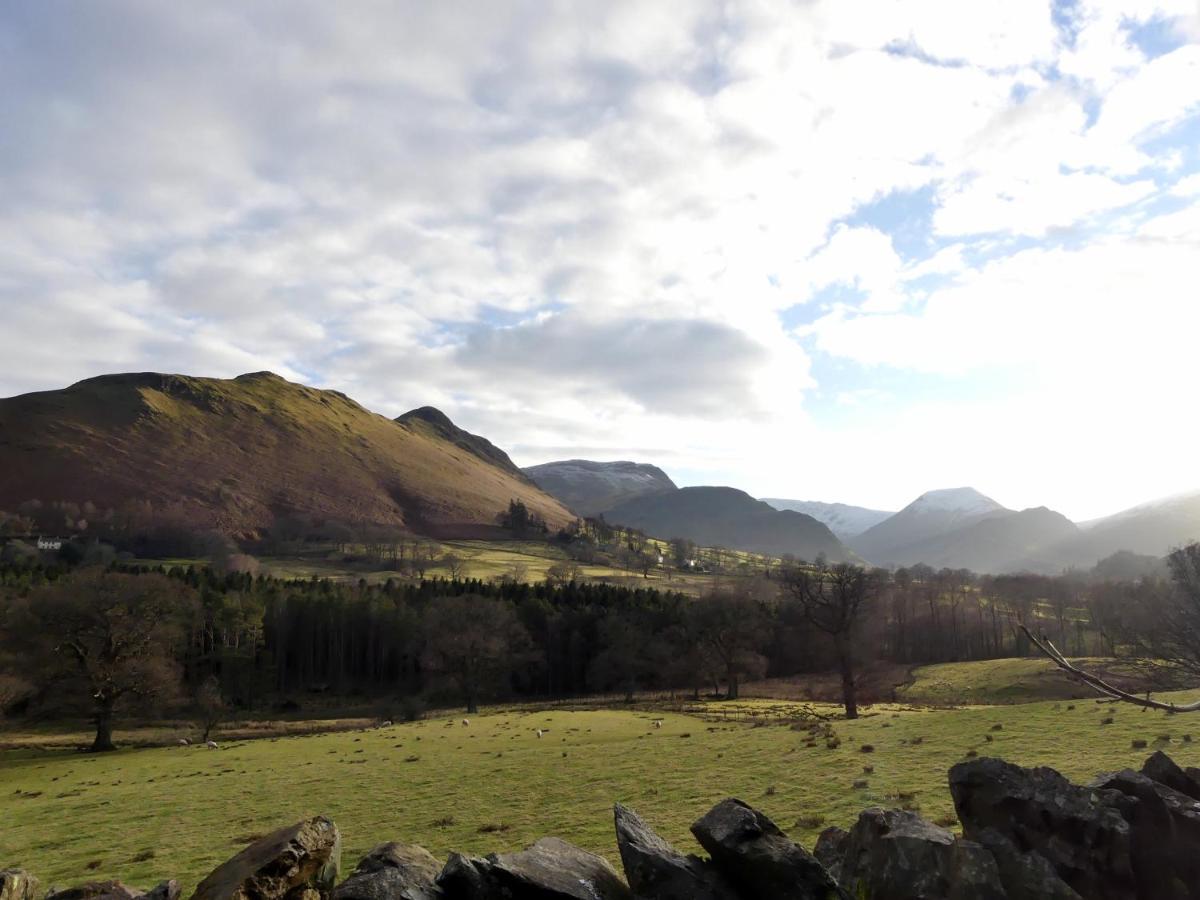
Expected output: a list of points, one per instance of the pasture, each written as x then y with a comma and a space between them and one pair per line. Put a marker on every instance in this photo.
143, 814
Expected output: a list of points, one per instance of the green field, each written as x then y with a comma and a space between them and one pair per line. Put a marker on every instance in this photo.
144, 814
1003, 681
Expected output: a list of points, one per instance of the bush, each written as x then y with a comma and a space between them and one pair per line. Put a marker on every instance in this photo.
412, 709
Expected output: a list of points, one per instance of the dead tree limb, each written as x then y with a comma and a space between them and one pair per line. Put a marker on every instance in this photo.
1099, 684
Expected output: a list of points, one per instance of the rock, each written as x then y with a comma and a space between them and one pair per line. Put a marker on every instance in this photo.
393, 872
17, 884
1085, 841
657, 871
1161, 768
552, 868
97, 890
1026, 876
466, 878
1166, 835
300, 856
894, 854
164, 890
829, 848
758, 859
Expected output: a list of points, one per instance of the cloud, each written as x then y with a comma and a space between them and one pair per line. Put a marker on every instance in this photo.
598, 225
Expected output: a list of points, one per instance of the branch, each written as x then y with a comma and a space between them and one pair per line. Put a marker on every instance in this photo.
1099, 684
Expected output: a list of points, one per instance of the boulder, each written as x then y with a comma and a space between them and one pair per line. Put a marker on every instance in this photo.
831, 843
1085, 840
164, 890
1161, 768
97, 890
657, 871
466, 878
17, 884
393, 872
283, 864
1165, 838
1026, 876
758, 859
893, 854
550, 869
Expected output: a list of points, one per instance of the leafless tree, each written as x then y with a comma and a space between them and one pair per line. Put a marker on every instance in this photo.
106, 633
834, 599
475, 641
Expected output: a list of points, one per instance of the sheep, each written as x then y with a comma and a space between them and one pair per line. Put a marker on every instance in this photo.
539, 733
466, 722
386, 723
184, 742
211, 745
658, 723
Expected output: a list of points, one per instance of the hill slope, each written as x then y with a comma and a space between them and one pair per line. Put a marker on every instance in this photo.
727, 517
932, 514
234, 454
843, 520
1150, 528
590, 488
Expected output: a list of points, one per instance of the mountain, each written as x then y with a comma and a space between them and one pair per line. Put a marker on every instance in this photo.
1000, 542
843, 520
234, 454
591, 488
895, 540
727, 517
1150, 529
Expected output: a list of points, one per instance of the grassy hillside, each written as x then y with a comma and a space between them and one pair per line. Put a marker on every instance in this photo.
234, 454
495, 785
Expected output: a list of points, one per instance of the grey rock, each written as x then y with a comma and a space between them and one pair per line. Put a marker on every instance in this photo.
553, 869
831, 844
894, 854
17, 884
1161, 768
657, 871
164, 890
97, 890
300, 857
393, 871
1165, 835
466, 878
1026, 876
758, 859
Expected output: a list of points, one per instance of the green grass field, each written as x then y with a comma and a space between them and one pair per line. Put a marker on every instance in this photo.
1004, 681
144, 814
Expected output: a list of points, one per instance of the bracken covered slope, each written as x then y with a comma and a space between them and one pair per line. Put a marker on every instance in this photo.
234, 454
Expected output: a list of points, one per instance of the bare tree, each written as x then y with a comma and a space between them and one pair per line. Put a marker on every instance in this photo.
109, 634
455, 565
834, 600
731, 625
1167, 635
475, 641
211, 705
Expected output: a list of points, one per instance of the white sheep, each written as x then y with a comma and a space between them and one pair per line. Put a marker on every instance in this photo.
466, 722
184, 742
658, 723
540, 732
386, 723
211, 745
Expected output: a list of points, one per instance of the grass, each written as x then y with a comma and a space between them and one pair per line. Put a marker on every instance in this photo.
1002, 681
145, 814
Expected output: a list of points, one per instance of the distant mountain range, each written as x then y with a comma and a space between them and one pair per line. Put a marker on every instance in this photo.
591, 488
637, 495
843, 520
233, 455
727, 517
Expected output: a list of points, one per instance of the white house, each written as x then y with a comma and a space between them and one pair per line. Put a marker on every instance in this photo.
46, 543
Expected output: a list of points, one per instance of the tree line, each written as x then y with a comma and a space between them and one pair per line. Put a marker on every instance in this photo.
99, 639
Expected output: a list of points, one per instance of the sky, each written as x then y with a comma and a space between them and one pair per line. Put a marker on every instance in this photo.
846, 251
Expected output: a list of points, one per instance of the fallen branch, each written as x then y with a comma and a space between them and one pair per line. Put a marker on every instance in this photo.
1099, 684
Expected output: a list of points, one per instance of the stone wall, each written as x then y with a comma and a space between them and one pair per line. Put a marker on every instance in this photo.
1027, 834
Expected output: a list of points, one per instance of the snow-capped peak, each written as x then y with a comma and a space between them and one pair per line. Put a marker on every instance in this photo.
963, 500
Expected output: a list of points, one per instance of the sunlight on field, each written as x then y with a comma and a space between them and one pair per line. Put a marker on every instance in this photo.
1001, 681
439, 783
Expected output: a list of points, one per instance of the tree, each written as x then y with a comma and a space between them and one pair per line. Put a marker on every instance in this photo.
1167, 633
106, 633
630, 655
211, 705
475, 641
454, 565
732, 626
834, 599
